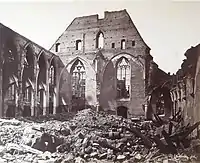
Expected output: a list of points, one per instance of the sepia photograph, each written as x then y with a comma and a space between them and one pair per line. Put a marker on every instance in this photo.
99, 81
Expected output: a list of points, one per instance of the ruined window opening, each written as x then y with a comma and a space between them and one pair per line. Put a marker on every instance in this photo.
27, 94
58, 47
11, 92
51, 88
52, 76
113, 45
78, 80
123, 78
100, 40
123, 44
78, 44
40, 97
133, 42
160, 108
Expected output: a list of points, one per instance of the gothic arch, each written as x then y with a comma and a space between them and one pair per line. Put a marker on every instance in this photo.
68, 65
40, 53
90, 83
42, 63
52, 85
123, 75
42, 82
136, 59
78, 82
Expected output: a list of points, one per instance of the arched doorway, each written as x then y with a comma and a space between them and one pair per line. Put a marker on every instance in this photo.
122, 111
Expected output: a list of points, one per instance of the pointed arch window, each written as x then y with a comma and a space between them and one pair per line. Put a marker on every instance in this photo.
27, 94
78, 79
160, 105
100, 40
78, 44
57, 47
123, 78
11, 92
123, 43
52, 75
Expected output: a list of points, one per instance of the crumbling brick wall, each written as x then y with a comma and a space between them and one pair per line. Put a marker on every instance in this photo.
115, 26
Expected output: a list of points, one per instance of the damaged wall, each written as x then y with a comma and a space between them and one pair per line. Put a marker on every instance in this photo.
22, 76
120, 38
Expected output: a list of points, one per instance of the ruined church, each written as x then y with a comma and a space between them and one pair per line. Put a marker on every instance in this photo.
103, 64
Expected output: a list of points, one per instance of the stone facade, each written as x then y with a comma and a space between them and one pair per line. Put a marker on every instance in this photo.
98, 63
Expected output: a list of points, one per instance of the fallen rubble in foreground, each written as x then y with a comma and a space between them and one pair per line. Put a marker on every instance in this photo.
97, 137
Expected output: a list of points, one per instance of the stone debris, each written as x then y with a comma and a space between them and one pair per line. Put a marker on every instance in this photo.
94, 137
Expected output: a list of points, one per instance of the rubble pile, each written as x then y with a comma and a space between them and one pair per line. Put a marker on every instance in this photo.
97, 137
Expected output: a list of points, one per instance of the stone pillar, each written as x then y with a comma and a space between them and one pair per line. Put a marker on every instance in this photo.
46, 108
21, 52
34, 111
57, 87
54, 103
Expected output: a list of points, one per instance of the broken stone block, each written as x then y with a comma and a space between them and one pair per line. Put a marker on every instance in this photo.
114, 135
85, 142
68, 158
103, 156
95, 144
103, 143
65, 132
78, 143
46, 155
94, 155
183, 158
80, 135
138, 157
121, 157
88, 150
79, 160
120, 145
86, 156
166, 161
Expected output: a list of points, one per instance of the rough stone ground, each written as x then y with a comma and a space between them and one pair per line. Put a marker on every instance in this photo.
87, 136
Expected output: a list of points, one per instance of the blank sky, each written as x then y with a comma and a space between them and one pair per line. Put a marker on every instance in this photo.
168, 27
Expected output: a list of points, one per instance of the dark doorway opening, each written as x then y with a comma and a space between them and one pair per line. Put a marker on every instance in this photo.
78, 103
122, 111
51, 107
27, 111
10, 111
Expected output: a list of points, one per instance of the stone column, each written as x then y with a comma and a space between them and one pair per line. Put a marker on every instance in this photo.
21, 52
34, 110
57, 87
46, 108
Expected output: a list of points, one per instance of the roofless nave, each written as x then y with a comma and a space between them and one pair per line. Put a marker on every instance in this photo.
98, 63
